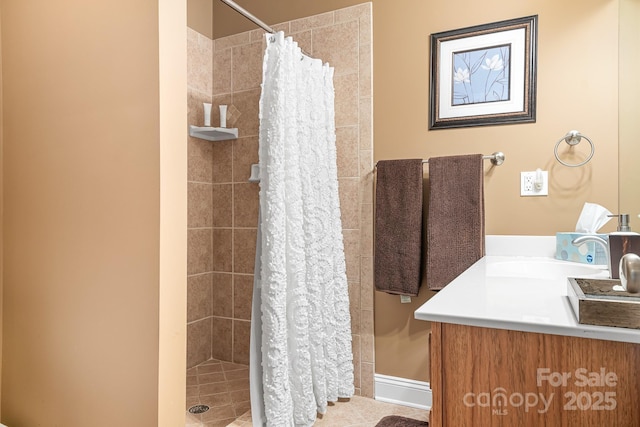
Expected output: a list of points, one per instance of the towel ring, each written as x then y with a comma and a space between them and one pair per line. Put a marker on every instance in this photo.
573, 138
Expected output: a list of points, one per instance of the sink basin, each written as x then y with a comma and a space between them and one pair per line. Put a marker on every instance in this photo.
542, 269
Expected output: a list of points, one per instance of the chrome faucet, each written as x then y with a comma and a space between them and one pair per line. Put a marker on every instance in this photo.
582, 239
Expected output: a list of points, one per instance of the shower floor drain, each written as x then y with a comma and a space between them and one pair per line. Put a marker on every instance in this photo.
198, 409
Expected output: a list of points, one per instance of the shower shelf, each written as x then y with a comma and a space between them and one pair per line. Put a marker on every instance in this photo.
213, 134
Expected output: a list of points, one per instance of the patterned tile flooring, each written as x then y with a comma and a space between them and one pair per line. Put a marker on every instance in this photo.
224, 387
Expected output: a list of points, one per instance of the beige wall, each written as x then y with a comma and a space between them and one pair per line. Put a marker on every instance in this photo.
570, 96
173, 214
92, 209
582, 97
1, 210
200, 16
629, 125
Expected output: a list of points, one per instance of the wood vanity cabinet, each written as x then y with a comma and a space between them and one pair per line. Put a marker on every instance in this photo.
495, 377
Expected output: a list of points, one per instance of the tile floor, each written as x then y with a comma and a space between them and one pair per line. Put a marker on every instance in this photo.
224, 387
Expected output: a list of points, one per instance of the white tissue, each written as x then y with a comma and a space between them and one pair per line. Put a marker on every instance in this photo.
592, 218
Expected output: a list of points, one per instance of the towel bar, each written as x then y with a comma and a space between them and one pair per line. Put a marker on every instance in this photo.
496, 158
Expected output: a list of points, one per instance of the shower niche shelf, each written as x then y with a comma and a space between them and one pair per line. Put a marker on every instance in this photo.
213, 134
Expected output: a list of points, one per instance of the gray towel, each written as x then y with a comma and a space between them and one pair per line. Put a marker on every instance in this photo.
398, 226
455, 222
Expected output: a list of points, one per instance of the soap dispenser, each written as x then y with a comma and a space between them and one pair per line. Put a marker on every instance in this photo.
621, 242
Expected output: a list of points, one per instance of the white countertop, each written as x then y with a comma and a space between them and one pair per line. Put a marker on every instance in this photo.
519, 286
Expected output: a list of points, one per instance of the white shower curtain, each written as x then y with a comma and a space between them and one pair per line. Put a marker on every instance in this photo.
306, 330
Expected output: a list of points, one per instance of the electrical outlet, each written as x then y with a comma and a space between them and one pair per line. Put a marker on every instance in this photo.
535, 183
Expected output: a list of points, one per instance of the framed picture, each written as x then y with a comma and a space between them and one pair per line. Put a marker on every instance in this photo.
484, 75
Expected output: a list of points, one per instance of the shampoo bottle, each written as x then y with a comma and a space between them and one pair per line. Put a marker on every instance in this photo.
621, 242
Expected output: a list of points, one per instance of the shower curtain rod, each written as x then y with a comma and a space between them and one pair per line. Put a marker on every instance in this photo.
242, 11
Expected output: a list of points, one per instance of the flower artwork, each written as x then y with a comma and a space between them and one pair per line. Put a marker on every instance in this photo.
484, 75
481, 75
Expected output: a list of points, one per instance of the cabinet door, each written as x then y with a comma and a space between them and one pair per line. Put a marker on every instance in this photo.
493, 377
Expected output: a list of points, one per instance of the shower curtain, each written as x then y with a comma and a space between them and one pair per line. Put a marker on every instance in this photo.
306, 355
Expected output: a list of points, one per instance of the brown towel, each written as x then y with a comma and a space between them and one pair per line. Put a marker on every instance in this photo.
455, 224
398, 227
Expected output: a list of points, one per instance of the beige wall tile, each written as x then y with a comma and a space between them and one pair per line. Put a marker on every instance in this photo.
244, 251
338, 45
245, 153
366, 29
242, 296
365, 82
366, 377
257, 35
305, 41
222, 170
195, 107
221, 206
241, 341
222, 294
222, 250
199, 251
352, 254
367, 352
246, 203
346, 100
222, 72
199, 291
248, 104
366, 123
366, 167
221, 333
355, 347
354, 307
366, 188
198, 342
230, 41
367, 322
247, 66
200, 160
349, 203
199, 205
366, 230
354, 12
312, 22
366, 284
347, 151
199, 61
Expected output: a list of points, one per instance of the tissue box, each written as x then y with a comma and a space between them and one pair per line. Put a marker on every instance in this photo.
586, 253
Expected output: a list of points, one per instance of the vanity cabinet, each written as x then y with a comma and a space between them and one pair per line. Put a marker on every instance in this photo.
482, 376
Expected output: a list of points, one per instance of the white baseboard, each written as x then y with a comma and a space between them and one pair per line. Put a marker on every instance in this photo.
402, 391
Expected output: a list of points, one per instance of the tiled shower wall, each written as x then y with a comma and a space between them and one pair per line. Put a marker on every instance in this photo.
223, 206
